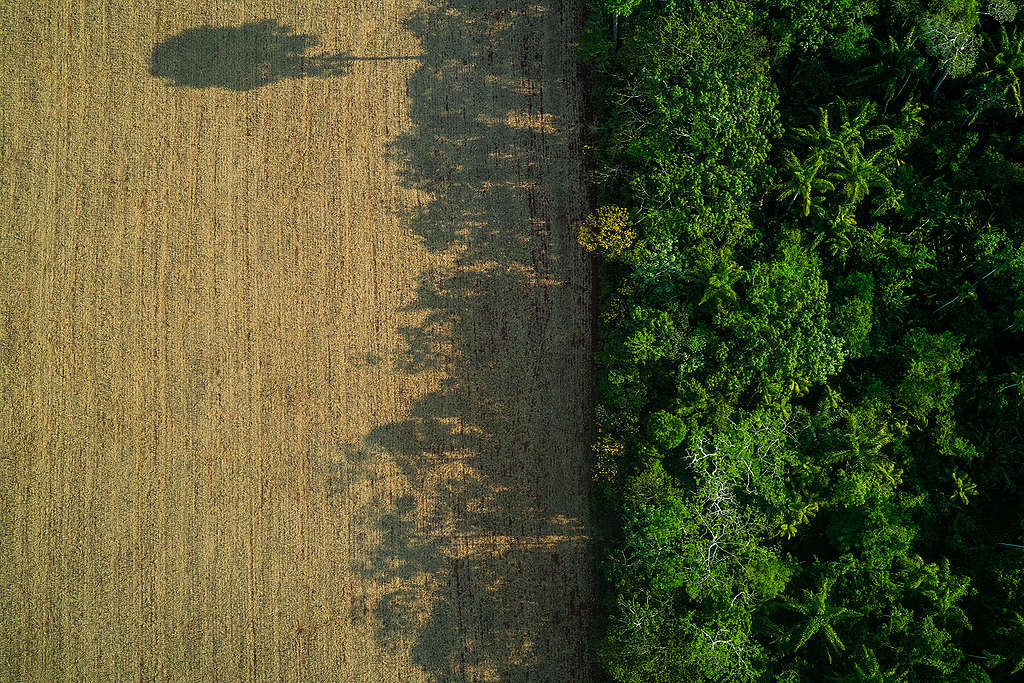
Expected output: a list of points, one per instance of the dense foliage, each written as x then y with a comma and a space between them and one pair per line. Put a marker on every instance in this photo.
810, 436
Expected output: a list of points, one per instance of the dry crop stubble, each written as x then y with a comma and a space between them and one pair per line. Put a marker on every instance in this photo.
295, 342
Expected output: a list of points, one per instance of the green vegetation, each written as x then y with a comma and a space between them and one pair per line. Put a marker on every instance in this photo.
810, 420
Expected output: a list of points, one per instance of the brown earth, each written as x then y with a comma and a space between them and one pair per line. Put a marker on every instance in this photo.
294, 342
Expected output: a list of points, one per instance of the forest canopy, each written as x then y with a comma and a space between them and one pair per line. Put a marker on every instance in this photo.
809, 425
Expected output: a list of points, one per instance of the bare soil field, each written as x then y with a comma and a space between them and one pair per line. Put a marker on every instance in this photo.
295, 342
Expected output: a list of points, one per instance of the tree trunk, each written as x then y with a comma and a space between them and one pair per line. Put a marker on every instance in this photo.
905, 81
615, 29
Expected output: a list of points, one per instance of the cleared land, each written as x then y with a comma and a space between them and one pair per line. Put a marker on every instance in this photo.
294, 342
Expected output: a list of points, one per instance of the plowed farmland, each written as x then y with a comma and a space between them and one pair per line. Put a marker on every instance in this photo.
295, 342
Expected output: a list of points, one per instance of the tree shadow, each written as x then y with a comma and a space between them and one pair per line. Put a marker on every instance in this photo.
491, 556
245, 57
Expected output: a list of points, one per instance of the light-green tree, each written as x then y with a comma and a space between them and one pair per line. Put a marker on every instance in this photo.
720, 280
948, 33
802, 181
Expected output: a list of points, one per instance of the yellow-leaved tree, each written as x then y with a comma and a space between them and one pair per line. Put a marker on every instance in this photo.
607, 231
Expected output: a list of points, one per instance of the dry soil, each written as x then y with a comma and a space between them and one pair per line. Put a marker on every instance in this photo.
294, 341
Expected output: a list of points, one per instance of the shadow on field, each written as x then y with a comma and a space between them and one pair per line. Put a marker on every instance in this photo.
494, 555
244, 57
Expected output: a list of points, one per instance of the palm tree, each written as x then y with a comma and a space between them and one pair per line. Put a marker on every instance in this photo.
945, 589
1018, 627
829, 141
840, 151
1001, 80
824, 140
909, 123
832, 397
857, 174
870, 672
963, 487
821, 137
720, 281
802, 180
839, 228
896, 62
1007, 64
821, 616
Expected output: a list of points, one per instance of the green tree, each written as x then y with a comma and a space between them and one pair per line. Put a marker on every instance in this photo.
666, 430
931, 363
649, 334
782, 330
838, 26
